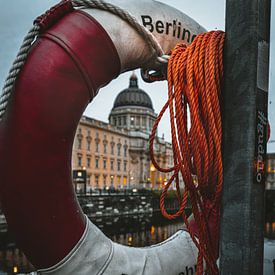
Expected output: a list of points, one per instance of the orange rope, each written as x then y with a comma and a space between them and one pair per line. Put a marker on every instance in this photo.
194, 77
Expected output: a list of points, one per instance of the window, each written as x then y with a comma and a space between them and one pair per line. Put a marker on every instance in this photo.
118, 149
124, 180
89, 139
118, 180
105, 148
88, 162
114, 121
125, 166
125, 150
79, 138
96, 163
88, 144
104, 164
112, 148
97, 181
144, 121
79, 145
112, 180
132, 120
97, 140
118, 165
79, 160
119, 121
138, 121
124, 120
112, 165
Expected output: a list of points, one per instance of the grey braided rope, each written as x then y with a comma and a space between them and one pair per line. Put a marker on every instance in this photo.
132, 21
21, 57
16, 67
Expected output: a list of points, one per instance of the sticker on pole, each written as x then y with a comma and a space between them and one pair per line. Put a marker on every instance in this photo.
260, 147
262, 66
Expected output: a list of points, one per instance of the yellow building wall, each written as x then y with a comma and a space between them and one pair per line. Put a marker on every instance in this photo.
127, 167
96, 150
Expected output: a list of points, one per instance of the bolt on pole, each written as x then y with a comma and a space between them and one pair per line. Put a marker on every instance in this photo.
245, 95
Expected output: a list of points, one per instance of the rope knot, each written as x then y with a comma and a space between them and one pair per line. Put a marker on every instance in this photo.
51, 16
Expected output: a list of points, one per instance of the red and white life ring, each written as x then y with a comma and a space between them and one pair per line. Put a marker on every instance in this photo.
69, 62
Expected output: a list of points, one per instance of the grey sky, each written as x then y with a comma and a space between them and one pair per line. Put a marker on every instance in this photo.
16, 18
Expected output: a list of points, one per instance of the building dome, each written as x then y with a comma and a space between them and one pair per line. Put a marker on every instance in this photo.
133, 96
133, 110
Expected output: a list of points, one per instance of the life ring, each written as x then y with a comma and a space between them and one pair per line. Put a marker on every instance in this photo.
75, 56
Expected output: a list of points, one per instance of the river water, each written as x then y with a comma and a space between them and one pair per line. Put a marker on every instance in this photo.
132, 231
135, 231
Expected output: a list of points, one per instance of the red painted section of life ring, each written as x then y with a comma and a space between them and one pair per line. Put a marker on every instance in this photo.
63, 72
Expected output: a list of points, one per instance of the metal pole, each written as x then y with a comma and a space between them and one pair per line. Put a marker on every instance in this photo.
244, 136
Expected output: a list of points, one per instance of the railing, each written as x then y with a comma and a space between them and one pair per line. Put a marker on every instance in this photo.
104, 203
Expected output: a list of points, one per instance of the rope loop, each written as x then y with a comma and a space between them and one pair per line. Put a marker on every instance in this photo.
40, 24
50, 17
130, 19
16, 68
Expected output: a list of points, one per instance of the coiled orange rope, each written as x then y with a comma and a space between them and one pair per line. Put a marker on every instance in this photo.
194, 77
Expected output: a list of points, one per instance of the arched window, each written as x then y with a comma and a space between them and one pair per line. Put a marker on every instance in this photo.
79, 138
112, 147
79, 160
125, 147
89, 162
118, 149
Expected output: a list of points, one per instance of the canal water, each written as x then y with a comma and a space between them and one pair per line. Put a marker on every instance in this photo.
135, 230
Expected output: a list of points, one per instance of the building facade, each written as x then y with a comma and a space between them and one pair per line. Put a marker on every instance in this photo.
270, 172
116, 154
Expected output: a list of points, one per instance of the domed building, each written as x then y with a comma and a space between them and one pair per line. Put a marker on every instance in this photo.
133, 109
116, 154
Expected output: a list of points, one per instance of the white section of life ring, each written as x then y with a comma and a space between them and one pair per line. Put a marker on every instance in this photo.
96, 254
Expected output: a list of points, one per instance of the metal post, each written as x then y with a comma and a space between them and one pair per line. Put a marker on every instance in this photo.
244, 136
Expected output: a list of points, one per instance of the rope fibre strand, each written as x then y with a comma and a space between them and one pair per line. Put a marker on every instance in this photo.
195, 75
16, 68
155, 48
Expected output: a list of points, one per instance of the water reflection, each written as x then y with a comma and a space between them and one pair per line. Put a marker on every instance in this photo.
12, 260
137, 231
270, 230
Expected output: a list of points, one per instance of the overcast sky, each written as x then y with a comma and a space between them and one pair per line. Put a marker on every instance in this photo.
16, 18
